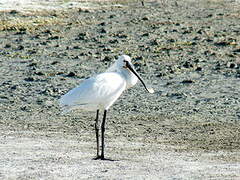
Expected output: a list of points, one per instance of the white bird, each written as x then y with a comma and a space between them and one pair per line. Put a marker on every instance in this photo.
101, 91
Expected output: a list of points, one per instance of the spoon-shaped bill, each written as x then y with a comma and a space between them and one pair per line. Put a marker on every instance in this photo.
131, 68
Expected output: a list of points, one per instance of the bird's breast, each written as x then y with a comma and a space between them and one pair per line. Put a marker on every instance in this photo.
98, 92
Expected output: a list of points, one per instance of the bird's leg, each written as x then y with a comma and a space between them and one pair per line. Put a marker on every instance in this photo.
97, 134
103, 130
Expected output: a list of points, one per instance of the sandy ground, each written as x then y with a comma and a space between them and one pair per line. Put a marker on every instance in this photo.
52, 156
28, 6
188, 51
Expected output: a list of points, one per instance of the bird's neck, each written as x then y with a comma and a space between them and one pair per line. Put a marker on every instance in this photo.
129, 77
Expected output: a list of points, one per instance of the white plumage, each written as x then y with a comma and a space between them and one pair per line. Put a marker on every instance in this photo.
98, 92
101, 91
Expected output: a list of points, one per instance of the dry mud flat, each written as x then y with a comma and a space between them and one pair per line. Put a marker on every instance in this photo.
189, 129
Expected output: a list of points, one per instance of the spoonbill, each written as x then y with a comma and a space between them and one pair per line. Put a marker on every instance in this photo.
101, 91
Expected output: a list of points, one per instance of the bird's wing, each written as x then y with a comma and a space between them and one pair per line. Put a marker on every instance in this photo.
95, 91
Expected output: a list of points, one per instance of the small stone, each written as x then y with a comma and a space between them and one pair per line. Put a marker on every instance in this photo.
122, 36
54, 62
39, 73
59, 73
112, 41
32, 64
76, 57
145, 18
154, 42
172, 130
231, 65
20, 47
187, 81
76, 47
33, 51
13, 12
106, 58
102, 24
7, 45
145, 34
171, 40
198, 69
71, 74
81, 36
112, 16
103, 30
14, 87
53, 38
221, 43
47, 31
44, 43
107, 49
29, 79
160, 74
218, 66
187, 64
236, 50
139, 58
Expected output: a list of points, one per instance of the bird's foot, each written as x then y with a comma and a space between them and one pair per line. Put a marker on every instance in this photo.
102, 158
97, 158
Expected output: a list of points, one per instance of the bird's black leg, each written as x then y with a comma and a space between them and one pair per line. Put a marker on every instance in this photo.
103, 130
97, 134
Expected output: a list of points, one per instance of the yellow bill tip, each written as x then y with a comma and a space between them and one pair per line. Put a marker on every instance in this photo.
150, 90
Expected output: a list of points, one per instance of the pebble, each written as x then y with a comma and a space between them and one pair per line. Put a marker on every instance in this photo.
102, 24
71, 74
76, 47
187, 82
20, 47
198, 68
81, 36
232, 65
107, 58
103, 30
113, 41
54, 62
187, 64
7, 46
221, 43
39, 73
13, 12
53, 38
145, 18
29, 79
236, 50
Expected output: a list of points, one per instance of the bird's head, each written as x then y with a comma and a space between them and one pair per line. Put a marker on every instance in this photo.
124, 61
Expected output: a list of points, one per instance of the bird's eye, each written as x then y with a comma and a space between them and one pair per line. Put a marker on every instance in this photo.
125, 63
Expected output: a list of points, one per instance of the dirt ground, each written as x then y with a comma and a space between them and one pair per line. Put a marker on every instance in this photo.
189, 51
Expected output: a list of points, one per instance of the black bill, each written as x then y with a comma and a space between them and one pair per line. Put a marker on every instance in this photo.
131, 68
